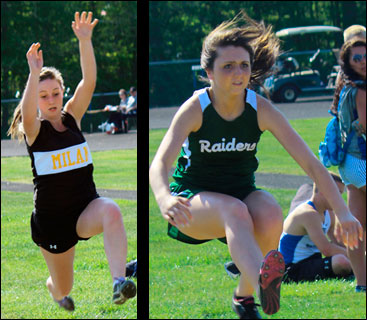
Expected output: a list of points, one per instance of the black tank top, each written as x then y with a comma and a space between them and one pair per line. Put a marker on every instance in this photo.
62, 168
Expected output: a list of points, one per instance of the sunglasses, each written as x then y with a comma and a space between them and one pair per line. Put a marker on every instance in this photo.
358, 57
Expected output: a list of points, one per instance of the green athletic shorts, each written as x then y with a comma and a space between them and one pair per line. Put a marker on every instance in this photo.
188, 192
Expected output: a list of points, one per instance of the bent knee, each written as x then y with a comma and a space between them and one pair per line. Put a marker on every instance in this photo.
274, 212
112, 213
238, 212
268, 219
341, 264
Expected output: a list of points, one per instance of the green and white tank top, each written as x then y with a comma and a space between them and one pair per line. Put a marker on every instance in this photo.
220, 156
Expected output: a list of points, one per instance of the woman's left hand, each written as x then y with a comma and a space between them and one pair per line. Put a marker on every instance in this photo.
83, 27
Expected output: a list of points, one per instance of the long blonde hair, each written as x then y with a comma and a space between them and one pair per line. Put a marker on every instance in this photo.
16, 130
260, 42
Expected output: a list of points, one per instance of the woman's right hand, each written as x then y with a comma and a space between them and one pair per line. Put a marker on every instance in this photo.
35, 59
176, 210
348, 230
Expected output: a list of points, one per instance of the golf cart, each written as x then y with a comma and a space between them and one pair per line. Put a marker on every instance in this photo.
318, 70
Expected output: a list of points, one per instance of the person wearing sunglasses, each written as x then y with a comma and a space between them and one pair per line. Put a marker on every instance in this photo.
350, 106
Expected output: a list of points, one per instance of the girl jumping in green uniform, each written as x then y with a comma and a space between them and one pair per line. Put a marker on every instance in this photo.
214, 193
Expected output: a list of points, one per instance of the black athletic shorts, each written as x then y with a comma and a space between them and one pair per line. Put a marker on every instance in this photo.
313, 268
56, 233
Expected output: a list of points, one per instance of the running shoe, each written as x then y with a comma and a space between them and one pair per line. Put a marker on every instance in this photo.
271, 274
123, 290
232, 270
360, 288
132, 269
67, 303
245, 308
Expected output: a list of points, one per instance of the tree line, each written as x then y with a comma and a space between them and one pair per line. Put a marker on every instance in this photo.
178, 28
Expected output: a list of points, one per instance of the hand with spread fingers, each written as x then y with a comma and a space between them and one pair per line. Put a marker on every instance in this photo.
35, 58
83, 26
348, 230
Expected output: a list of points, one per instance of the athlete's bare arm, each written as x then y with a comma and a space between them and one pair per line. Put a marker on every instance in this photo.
30, 121
313, 224
83, 29
187, 119
269, 118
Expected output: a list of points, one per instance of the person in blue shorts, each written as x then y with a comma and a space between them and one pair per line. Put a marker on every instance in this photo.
214, 193
350, 106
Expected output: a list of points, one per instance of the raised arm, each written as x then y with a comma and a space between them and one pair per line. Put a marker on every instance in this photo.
31, 123
348, 228
83, 29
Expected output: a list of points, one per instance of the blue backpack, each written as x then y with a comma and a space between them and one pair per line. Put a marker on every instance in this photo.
331, 151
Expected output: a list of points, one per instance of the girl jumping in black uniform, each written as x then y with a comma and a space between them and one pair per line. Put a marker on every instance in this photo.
67, 207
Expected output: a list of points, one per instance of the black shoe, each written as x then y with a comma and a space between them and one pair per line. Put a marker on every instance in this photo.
232, 270
245, 308
67, 303
132, 269
360, 288
123, 290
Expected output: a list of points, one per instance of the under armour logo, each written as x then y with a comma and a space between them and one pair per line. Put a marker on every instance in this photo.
54, 246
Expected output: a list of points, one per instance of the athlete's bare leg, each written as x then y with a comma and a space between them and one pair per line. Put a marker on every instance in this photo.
61, 271
217, 215
104, 215
267, 218
357, 206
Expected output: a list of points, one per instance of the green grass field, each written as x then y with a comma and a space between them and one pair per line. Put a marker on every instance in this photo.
23, 269
189, 281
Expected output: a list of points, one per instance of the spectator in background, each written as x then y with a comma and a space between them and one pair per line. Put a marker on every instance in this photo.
132, 102
117, 121
350, 106
116, 118
354, 31
122, 109
304, 241
123, 101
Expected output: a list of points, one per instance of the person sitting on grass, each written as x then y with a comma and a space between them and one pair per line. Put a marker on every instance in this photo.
304, 241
